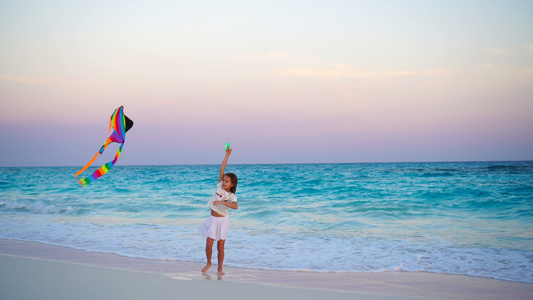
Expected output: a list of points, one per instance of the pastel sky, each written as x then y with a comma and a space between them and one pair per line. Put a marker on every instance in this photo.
282, 81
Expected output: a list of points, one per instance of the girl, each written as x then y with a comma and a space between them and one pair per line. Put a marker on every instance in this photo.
215, 228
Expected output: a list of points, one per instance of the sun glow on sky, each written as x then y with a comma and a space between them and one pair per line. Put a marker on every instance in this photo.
282, 81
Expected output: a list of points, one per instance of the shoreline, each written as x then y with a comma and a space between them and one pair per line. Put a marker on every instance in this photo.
410, 285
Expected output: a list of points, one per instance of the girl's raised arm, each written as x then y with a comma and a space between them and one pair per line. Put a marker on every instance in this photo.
223, 166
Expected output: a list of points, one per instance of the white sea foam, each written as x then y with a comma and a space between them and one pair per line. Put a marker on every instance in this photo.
274, 250
37, 207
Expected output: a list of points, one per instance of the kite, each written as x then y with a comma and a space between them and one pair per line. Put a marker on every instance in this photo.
120, 124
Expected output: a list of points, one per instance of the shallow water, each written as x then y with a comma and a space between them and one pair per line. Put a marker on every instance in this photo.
472, 218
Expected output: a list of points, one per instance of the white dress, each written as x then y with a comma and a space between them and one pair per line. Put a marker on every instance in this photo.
216, 228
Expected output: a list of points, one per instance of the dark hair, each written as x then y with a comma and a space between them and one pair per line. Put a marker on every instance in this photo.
234, 181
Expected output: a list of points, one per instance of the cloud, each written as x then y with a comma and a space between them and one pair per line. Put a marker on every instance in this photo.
344, 71
527, 73
39, 80
269, 57
497, 51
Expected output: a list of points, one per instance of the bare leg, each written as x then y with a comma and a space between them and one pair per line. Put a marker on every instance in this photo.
208, 253
220, 248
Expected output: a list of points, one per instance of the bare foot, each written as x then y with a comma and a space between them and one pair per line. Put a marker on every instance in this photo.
206, 268
221, 273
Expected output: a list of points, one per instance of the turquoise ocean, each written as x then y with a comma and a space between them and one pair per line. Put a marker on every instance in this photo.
471, 218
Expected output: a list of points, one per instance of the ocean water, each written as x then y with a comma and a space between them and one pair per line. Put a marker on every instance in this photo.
471, 218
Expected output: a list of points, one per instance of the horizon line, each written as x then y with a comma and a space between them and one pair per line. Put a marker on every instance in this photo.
283, 163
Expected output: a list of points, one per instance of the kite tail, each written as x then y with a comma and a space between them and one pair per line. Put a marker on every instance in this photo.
93, 159
102, 170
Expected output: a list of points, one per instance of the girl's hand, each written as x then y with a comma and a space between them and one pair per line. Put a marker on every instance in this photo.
216, 202
228, 152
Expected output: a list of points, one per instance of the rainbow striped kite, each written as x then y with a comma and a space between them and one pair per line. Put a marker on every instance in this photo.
120, 125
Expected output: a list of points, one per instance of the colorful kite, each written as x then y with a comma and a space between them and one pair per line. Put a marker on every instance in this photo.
120, 125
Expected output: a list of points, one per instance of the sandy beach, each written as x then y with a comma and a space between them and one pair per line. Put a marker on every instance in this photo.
39, 271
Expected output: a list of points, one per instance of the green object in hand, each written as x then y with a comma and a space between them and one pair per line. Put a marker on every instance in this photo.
227, 147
